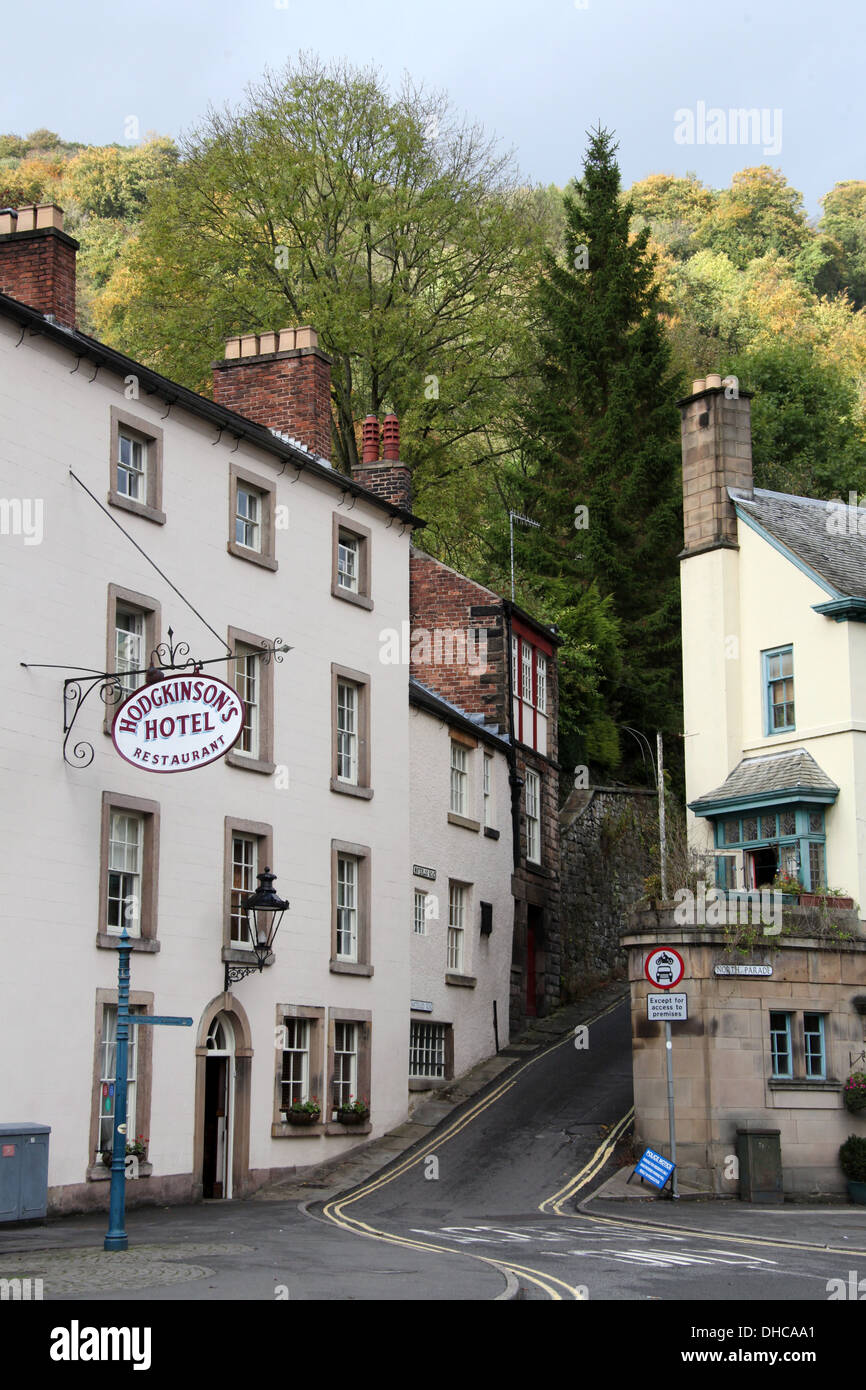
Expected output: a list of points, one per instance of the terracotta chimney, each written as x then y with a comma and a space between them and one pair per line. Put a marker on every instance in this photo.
37, 260
717, 454
281, 380
388, 477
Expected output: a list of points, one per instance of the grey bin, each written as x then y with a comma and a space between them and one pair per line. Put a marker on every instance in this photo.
23, 1171
760, 1157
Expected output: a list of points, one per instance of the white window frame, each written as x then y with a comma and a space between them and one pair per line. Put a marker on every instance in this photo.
345, 1078
248, 523
108, 1076
487, 788
526, 671
129, 652
132, 471
459, 779
456, 927
348, 714
533, 817
515, 665
296, 1048
248, 683
349, 562
419, 919
541, 682
128, 872
245, 866
348, 895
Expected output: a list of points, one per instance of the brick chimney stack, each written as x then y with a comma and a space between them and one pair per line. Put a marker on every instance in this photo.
37, 260
387, 477
717, 454
280, 380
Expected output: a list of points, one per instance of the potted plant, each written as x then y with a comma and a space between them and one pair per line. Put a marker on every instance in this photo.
355, 1112
852, 1158
137, 1147
303, 1112
854, 1091
789, 886
826, 897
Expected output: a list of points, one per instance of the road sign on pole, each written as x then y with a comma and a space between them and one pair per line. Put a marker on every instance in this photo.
664, 967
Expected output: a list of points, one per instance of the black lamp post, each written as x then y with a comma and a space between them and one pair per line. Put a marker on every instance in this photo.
263, 911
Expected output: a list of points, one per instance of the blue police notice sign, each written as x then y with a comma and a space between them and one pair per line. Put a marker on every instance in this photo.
654, 1168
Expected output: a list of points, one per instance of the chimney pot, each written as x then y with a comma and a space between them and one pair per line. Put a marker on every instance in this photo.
306, 337
391, 432
49, 215
713, 381
27, 218
249, 345
699, 385
267, 342
8, 221
286, 340
371, 439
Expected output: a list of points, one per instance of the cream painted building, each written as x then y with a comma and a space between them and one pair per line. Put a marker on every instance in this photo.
774, 660
463, 909
266, 542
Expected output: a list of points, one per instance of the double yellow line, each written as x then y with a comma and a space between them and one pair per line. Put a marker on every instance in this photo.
334, 1211
590, 1170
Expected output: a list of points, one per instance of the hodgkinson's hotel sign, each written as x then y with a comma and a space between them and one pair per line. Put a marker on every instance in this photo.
178, 723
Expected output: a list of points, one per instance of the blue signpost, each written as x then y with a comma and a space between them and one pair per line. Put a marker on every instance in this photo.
117, 1239
654, 1167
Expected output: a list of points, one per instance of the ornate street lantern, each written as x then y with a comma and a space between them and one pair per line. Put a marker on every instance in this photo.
264, 913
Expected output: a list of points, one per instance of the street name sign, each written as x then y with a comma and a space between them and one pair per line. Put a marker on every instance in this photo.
664, 967
178, 724
421, 871
667, 1008
159, 1020
742, 969
654, 1167
421, 1006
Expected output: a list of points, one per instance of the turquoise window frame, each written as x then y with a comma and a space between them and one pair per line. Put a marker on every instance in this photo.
801, 838
788, 1033
822, 1051
766, 658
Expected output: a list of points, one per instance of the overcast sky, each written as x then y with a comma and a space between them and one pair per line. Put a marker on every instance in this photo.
536, 73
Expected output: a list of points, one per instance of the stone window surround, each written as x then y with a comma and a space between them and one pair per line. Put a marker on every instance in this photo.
234, 825
362, 853
434, 1083
152, 436
149, 810
280, 1128
798, 1080
152, 612
361, 679
142, 1000
363, 534
267, 489
365, 1018
235, 758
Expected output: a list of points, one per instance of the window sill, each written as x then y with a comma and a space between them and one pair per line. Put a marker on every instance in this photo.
491, 834
334, 1127
428, 1083
797, 1083
99, 1173
109, 941
255, 557
465, 981
351, 789
465, 821
283, 1130
129, 504
249, 764
349, 967
239, 955
359, 600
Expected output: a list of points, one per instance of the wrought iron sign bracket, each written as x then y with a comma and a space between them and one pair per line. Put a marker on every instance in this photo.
237, 972
165, 657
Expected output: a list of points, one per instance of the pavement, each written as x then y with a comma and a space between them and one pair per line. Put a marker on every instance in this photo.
274, 1245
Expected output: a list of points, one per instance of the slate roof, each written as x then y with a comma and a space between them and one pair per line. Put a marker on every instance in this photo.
426, 698
801, 524
768, 775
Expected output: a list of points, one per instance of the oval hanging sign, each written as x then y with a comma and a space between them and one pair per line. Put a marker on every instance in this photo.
179, 723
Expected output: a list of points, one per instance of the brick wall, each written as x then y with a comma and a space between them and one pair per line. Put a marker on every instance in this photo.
717, 454
38, 268
392, 481
288, 391
440, 600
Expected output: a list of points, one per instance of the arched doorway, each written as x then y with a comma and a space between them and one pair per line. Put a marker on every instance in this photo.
222, 1101
219, 1086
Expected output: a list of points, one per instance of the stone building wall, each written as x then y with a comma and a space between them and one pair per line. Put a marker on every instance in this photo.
606, 839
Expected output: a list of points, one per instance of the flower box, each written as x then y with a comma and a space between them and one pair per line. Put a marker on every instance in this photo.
353, 1117
303, 1117
823, 900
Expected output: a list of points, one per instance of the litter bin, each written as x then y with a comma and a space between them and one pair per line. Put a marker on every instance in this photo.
23, 1171
760, 1157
